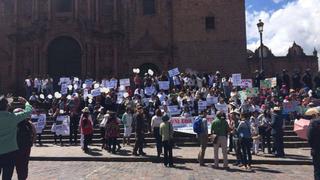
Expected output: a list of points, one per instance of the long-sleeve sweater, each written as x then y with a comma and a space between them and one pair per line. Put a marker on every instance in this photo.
8, 128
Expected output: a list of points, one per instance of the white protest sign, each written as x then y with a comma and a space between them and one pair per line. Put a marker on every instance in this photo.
202, 105
88, 83
174, 110
112, 84
65, 80
96, 92
164, 85
174, 72
149, 90
64, 89
62, 125
246, 83
120, 97
185, 125
236, 79
39, 122
125, 82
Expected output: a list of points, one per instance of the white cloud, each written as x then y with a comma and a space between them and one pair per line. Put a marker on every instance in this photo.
296, 21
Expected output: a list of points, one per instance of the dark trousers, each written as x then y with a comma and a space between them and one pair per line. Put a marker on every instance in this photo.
265, 138
230, 144
39, 139
278, 146
22, 162
55, 138
316, 164
138, 146
112, 143
246, 145
87, 141
158, 140
7, 163
167, 146
74, 126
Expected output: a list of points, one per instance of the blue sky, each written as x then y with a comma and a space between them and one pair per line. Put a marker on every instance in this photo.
266, 5
285, 21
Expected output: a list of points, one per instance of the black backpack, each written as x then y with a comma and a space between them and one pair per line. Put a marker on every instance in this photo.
25, 134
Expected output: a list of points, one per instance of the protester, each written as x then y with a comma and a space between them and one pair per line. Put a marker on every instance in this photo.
26, 136
155, 128
245, 138
112, 132
277, 132
201, 128
220, 128
313, 139
101, 120
86, 128
166, 132
8, 131
127, 119
139, 126
233, 125
265, 130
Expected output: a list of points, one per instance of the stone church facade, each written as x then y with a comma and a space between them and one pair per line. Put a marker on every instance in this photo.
102, 38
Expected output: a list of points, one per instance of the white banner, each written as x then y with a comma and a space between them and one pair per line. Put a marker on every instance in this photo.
164, 85
64, 89
185, 125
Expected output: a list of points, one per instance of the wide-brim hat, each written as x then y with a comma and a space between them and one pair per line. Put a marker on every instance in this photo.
311, 112
85, 110
276, 108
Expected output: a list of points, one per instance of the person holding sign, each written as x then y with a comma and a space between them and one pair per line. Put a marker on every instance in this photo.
86, 128
8, 131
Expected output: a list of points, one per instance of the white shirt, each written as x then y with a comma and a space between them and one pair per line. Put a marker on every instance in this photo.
156, 121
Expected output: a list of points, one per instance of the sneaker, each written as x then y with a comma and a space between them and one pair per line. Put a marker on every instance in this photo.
135, 154
142, 154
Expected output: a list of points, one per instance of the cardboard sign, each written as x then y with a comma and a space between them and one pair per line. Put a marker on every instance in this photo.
164, 85
252, 92
174, 72
246, 83
149, 90
273, 81
125, 82
65, 80
96, 92
39, 121
62, 125
202, 105
174, 110
64, 89
265, 84
236, 79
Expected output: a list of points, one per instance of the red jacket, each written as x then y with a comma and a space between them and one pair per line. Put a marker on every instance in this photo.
86, 126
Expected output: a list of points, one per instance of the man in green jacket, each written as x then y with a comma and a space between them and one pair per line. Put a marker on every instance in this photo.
8, 134
220, 128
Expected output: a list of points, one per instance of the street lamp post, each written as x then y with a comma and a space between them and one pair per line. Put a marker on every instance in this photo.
260, 28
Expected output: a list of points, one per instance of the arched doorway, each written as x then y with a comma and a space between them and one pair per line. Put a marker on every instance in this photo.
64, 58
145, 67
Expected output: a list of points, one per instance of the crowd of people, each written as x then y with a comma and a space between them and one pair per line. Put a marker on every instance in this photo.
247, 124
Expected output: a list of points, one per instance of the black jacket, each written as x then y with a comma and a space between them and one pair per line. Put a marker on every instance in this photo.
276, 124
314, 134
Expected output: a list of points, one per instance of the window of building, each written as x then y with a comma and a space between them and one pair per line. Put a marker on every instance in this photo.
149, 7
210, 23
63, 6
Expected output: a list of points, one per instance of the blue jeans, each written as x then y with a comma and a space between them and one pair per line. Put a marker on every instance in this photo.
246, 145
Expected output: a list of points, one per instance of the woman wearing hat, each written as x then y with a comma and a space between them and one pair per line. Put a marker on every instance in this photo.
166, 132
244, 131
86, 128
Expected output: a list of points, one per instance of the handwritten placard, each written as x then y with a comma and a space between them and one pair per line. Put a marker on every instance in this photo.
236, 79
164, 85
125, 82
174, 72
